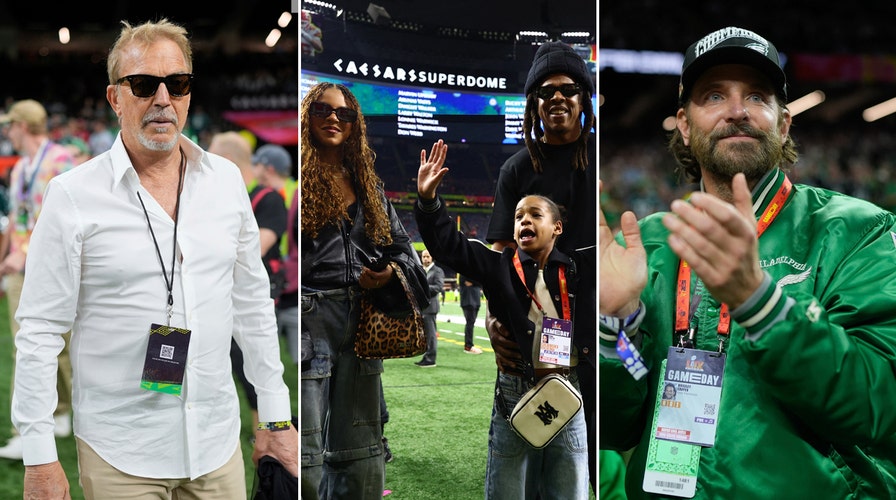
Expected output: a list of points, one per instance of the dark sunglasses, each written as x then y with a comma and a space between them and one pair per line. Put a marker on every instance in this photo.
146, 85
323, 110
568, 90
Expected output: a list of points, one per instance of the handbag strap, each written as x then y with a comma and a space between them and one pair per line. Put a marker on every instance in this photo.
396, 269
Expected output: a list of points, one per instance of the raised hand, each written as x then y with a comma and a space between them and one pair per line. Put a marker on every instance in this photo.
431, 171
718, 240
623, 269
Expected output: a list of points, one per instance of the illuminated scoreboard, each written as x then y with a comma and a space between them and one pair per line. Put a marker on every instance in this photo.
427, 113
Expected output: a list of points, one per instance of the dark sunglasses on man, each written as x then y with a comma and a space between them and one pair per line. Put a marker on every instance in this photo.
178, 85
323, 110
567, 90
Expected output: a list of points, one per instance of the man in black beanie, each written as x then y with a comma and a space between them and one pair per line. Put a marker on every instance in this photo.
559, 162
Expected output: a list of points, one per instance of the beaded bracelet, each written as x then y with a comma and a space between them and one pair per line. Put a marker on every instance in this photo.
273, 426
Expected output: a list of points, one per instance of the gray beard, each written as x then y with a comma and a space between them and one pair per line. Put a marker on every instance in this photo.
158, 145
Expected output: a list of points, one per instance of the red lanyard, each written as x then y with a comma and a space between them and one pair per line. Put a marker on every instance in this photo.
564, 298
682, 305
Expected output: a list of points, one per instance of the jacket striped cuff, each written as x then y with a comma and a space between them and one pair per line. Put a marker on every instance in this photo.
610, 327
767, 306
429, 206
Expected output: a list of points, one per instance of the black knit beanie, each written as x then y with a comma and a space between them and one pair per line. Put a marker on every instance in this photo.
557, 57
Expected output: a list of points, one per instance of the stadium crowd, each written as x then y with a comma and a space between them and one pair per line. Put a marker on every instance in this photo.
860, 161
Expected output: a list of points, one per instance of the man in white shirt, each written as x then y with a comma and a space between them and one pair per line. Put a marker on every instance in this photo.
149, 253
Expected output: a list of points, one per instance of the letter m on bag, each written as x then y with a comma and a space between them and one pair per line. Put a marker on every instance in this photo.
546, 413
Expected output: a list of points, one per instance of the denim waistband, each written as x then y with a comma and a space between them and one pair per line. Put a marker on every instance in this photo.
347, 292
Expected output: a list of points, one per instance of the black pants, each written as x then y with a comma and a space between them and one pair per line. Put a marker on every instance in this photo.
470, 314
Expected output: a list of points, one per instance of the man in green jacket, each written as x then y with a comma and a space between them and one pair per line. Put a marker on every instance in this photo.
782, 355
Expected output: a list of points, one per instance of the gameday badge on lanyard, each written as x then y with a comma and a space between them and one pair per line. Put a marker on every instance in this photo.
671, 467
166, 358
556, 341
689, 398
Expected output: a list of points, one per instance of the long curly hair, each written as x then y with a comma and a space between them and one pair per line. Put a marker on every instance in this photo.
532, 126
689, 169
322, 200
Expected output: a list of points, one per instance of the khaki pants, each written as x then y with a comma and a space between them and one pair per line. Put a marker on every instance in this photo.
101, 481
64, 373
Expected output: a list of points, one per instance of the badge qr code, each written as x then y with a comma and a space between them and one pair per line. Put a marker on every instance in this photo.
167, 352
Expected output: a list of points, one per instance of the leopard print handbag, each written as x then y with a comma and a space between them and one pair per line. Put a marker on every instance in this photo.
393, 334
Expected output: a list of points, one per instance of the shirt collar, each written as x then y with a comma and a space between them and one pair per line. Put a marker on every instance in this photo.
121, 162
765, 189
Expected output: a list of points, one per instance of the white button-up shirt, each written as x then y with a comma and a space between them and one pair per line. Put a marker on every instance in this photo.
92, 267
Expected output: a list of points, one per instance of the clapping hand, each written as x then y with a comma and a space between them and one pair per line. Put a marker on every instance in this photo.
718, 239
623, 269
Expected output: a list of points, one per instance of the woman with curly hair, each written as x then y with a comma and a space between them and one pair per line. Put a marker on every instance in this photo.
349, 231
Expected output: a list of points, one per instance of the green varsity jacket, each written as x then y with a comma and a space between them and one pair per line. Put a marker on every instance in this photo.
808, 402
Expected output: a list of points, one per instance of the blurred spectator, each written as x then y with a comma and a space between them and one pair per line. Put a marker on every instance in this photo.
77, 147
40, 159
101, 138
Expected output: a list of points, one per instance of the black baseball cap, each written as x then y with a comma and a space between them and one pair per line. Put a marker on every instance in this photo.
731, 46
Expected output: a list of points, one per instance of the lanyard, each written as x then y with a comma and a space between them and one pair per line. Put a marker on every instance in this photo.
564, 298
169, 284
35, 164
682, 298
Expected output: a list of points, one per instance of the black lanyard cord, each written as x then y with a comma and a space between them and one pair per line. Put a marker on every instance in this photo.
169, 284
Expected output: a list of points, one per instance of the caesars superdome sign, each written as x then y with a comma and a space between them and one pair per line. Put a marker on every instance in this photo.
413, 74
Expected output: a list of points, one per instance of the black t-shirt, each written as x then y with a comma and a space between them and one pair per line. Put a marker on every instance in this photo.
270, 213
575, 191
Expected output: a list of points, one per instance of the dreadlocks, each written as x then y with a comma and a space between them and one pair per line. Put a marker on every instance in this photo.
534, 132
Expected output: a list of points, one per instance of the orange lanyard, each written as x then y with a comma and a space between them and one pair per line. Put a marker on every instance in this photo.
564, 298
683, 293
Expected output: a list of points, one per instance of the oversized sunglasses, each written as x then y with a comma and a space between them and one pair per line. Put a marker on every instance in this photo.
146, 85
323, 110
568, 90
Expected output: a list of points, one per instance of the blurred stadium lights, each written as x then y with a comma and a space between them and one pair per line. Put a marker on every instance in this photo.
669, 123
498, 36
575, 36
284, 19
453, 32
808, 101
272, 38
319, 3
649, 62
65, 35
879, 111
532, 36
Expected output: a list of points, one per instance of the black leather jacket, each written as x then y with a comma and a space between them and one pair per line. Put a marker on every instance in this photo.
335, 257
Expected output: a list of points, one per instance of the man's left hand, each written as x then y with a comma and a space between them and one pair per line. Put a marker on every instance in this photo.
719, 241
281, 445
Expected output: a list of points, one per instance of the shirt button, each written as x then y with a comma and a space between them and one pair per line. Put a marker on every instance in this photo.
585, 350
